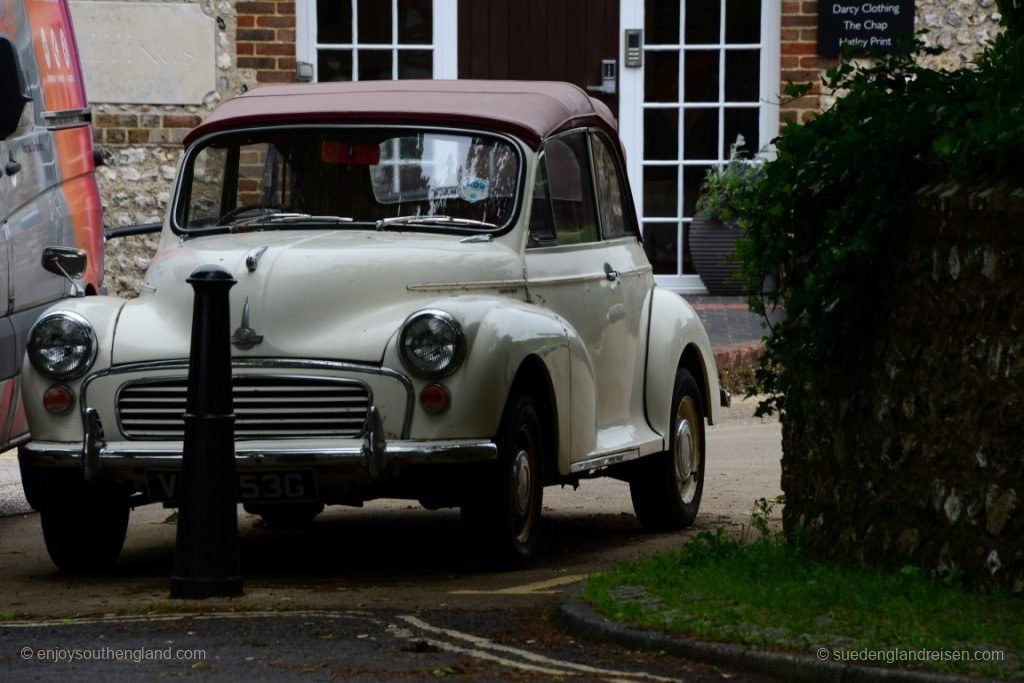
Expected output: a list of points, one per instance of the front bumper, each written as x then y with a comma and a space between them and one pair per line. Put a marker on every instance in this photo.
371, 457
340, 463
132, 455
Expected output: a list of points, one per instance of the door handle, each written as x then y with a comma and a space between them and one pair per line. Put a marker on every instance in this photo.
611, 274
12, 166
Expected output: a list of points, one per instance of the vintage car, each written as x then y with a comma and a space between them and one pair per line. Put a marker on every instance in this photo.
441, 296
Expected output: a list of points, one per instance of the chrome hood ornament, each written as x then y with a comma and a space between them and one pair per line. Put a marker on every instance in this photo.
245, 337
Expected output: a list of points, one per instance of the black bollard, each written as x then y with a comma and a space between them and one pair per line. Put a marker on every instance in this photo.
206, 554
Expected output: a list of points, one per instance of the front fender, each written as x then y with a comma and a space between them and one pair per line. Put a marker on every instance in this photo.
102, 313
500, 335
676, 330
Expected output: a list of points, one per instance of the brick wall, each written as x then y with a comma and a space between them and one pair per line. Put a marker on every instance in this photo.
145, 127
799, 58
266, 39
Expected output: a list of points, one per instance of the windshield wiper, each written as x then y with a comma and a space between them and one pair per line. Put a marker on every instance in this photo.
285, 218
407, 220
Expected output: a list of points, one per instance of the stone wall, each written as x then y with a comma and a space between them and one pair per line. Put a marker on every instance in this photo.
921, 462
254, 44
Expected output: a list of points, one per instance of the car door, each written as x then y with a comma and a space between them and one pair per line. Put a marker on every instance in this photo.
631, 271
577, 275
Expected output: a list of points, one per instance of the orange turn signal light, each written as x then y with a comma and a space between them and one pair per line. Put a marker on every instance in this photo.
58, 400
435, 399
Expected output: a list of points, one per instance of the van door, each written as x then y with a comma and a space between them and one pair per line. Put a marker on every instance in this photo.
8, 335
5, 235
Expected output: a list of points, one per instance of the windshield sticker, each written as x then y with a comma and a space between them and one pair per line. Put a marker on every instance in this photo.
474, 189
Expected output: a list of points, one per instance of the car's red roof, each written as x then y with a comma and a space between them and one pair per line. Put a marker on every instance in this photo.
530, 110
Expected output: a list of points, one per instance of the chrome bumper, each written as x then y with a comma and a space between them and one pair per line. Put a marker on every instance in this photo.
373, 453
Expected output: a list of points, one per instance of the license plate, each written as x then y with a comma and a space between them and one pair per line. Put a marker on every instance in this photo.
262, 486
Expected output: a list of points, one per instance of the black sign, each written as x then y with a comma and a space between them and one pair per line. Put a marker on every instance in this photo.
865, 25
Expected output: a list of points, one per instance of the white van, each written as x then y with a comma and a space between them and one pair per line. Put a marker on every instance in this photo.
48, 191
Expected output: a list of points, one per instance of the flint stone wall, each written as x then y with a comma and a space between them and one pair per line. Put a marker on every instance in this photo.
923, 462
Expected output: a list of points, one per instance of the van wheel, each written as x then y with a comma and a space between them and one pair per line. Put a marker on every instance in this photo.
285, 514
84, 527
666, 488
503, 512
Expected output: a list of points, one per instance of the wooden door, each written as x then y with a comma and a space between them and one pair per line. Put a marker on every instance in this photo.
539, 40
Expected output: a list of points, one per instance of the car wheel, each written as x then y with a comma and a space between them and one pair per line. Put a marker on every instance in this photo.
84, 527
504, 511
285, 514
666, 488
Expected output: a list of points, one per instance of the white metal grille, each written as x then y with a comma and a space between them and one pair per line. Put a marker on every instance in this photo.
264, 407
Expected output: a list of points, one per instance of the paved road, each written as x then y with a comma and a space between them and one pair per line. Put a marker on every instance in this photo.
385, 592
12, 500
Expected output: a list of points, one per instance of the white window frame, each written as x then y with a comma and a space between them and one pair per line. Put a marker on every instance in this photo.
445, 31
631, 110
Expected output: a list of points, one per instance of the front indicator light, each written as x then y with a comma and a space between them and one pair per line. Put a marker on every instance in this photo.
58, 400
435, 399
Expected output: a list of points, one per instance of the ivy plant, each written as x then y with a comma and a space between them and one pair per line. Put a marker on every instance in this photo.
825, 209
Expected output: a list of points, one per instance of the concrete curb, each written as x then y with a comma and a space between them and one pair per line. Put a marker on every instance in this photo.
583, 620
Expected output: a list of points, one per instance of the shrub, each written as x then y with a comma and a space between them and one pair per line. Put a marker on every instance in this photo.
841, 187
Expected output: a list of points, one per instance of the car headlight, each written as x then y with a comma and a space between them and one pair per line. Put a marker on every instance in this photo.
62, 345
432, 344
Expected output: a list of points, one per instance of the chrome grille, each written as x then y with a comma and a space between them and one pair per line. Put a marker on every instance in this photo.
265, 406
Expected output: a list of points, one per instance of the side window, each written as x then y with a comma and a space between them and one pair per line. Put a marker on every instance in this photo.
564, 181
611, 191
542, 223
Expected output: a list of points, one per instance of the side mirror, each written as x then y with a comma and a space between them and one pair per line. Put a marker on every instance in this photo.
66, 261
12, 89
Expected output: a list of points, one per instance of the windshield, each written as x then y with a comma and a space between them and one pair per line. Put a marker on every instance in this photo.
328, 177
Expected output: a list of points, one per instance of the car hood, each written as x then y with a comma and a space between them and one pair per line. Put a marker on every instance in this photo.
338, 294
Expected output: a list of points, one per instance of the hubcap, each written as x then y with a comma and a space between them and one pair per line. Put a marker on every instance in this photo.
687, 449
521, 478
684, 450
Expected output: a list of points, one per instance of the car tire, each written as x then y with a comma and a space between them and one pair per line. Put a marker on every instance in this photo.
285, 514
84, 527
666, 487
503, 512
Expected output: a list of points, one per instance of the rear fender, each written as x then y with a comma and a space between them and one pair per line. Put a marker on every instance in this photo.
677, 337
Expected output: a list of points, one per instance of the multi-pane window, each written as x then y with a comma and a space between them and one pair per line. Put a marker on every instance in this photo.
702, 84
361, 40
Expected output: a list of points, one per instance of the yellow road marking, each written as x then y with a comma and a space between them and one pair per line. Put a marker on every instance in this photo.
535, 588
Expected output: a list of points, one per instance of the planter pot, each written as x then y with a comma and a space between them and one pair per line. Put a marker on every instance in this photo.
711, 244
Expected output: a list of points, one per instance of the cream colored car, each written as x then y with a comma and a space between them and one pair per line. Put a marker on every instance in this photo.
441, 295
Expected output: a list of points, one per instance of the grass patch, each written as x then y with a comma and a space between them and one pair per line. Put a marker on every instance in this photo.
772, 594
